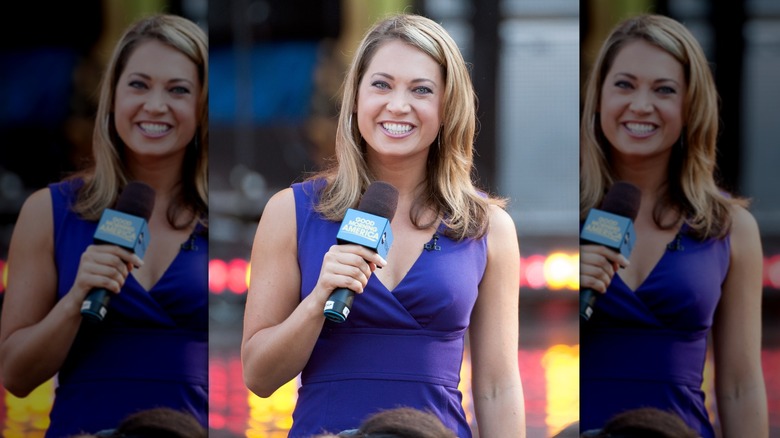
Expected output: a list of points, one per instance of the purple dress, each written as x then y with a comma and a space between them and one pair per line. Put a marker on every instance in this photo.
150, 350
647, 348
397, 348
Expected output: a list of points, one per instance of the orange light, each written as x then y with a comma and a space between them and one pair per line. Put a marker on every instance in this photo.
561, 271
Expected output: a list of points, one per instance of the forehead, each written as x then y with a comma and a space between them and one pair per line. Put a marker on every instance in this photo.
156, 58
642, 59
398, 58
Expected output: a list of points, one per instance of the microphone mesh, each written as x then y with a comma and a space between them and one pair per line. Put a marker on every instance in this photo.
622, 199
380, 199
137, 199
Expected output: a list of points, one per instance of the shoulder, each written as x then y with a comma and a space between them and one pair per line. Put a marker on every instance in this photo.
500, 222
281, 203
35, 224
37, 206
744, 233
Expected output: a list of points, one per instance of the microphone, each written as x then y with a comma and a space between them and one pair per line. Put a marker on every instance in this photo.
368, 226
612, 225
124, 226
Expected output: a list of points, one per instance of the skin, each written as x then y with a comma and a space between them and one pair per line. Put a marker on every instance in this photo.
398, 111
644, 90
36, 329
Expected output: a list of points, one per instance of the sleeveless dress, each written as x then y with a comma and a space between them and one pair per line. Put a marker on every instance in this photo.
151, 349
397, 348
647, 348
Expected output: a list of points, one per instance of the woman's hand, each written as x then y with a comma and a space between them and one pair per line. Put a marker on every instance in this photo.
103, 266
598, 264
347, 266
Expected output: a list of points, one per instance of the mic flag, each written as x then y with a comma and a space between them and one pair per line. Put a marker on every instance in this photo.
368, 226
126, 225
612, 226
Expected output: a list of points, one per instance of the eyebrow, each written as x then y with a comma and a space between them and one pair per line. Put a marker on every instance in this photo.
414, 81
170, 81
660, 80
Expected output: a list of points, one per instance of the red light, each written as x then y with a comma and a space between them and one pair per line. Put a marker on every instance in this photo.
236, 276
533, 274
218, 271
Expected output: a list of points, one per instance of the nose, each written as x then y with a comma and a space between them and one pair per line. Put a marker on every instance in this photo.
641, 103
156, 102
398, 102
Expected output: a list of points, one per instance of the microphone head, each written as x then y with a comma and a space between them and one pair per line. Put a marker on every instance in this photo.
136, 199
380, 199
622, 199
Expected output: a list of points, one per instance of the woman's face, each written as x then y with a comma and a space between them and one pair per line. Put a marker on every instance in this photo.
642, 101
155, 104
399, 100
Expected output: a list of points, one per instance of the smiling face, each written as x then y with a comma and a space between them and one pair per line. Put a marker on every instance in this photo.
642, 101
155, 105
399, 100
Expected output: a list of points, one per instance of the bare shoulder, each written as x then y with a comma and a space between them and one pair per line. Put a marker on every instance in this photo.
280, 209
501, 223
745, 236
35, 217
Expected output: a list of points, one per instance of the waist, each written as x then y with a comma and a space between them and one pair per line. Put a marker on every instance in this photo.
643, 354
404, 355
110, 353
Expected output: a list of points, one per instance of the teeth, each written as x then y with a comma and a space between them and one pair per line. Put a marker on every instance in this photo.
397, 128
640, 128
154, 128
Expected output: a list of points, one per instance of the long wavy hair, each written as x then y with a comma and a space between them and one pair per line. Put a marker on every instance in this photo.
108, 174
449, 189
691, 189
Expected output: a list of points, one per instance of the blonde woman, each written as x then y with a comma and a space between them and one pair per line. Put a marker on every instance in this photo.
650, 118
151, 348
407, 118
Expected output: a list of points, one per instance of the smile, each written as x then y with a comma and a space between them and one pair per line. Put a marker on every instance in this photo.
154, 128
397, 128
640, 128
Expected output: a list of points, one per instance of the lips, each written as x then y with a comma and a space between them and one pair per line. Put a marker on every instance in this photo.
154, 128
394, 128
640, 129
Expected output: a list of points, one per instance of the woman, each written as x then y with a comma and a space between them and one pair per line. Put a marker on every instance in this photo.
151, 348
407, 118
650, 118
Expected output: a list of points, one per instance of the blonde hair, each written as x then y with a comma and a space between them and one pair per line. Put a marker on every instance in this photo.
449, 189
691, 189
108, 174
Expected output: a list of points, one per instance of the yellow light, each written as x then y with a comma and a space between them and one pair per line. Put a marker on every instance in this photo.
561, 271
29, 416
561, 365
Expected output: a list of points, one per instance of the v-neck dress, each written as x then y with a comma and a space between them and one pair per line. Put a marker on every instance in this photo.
647, 348
397, 348
150, 350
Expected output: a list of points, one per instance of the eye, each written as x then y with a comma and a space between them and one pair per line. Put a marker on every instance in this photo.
180, 90
666, 90
382, 85
137, 84
623, 85
422, 90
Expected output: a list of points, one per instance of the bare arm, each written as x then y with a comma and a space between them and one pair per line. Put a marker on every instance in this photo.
496, 385
739, 380
37, 331
280, 331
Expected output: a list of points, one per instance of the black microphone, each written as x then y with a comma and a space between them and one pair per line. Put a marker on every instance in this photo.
612, 225
125, 226
368, 226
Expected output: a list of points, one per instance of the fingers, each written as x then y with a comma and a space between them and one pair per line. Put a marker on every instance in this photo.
598, 265
105, 266
349, 266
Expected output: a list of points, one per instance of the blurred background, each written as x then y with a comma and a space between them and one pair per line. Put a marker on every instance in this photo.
276, 67
52, 55
741, 39
275, 76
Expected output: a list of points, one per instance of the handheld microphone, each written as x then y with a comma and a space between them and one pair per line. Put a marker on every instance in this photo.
125, 226
612, 225
368, 226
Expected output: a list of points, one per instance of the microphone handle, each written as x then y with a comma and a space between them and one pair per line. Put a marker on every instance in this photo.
339, 303
587, 300
95, 305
